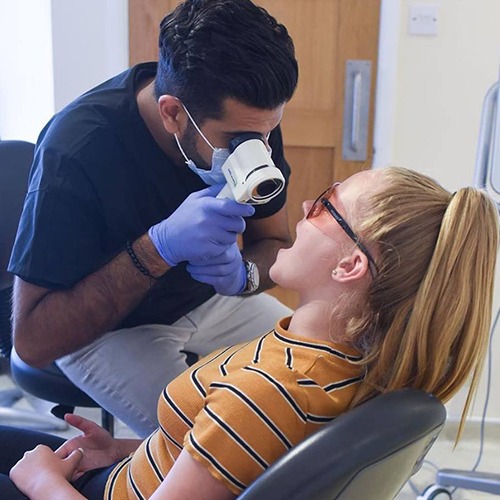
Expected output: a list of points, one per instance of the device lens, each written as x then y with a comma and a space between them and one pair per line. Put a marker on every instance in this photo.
267, 188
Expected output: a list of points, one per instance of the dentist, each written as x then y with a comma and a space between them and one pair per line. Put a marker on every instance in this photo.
124, 257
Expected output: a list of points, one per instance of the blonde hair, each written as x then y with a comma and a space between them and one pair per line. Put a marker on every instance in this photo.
430, 305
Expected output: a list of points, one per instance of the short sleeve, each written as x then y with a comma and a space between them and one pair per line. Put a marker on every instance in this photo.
59, 236
249, 420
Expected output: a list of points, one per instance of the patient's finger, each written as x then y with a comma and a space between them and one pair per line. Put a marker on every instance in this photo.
80, 422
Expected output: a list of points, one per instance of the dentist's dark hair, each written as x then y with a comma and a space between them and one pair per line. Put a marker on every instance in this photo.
214, 49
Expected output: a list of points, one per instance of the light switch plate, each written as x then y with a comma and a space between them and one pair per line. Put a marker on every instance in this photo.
423, 19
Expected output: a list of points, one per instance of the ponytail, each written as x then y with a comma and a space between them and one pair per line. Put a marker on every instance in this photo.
430, 305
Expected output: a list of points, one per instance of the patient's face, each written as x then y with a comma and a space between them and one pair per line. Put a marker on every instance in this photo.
318, 247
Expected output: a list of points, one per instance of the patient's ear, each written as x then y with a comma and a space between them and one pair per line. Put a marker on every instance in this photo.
172, 113
351, 268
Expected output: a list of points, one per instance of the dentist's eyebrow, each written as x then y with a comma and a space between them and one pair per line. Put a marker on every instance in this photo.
230, 133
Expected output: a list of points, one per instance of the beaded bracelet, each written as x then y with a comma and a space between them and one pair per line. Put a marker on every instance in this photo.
137, 263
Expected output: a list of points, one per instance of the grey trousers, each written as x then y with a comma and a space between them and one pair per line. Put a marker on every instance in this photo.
126, 370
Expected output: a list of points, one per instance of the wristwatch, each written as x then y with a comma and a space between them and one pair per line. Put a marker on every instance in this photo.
252, 277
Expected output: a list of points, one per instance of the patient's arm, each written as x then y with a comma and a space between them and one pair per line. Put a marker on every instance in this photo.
190, 479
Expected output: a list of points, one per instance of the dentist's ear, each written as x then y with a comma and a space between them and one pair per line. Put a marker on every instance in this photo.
171, 113
351, 268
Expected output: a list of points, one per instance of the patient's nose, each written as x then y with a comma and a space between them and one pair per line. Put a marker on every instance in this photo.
306, 206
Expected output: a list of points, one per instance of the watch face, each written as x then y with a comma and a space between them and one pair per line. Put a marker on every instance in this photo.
252, 276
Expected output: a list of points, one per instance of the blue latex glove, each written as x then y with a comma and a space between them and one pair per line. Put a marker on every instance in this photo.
226, 272
201, 228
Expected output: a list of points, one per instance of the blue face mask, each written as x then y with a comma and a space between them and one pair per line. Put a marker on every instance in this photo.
219, 157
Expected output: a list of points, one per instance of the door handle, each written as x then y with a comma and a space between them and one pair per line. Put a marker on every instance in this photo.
356, 110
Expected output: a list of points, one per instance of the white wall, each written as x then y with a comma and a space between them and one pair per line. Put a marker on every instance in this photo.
51, 51
26, 78
90, 45
429, 107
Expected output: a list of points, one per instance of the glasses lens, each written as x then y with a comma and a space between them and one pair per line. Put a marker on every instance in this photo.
317, 207
323, 204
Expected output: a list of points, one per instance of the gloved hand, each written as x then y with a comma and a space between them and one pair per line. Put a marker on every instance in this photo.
226, 272
201, 228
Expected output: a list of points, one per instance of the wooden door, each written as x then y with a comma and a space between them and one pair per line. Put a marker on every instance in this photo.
326, 33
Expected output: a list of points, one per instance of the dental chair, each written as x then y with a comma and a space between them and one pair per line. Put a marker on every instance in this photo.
368, 452
15, 161
49, 383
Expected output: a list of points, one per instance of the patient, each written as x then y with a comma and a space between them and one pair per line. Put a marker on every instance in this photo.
395, 279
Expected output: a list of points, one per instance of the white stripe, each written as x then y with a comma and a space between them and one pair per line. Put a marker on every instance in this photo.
236, 441
175, 409
286, 444
301, 414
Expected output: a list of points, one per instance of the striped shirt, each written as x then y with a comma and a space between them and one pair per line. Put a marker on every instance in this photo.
240, 408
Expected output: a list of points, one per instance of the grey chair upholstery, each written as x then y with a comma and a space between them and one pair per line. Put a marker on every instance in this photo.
368, 452
50, 383
15, 162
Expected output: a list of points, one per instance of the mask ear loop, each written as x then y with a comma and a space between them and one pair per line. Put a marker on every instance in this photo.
196, 126
180, 148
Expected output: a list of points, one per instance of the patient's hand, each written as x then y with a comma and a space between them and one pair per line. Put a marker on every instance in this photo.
100, 448
43, 473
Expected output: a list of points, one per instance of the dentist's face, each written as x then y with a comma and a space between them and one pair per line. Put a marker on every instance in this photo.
237, 118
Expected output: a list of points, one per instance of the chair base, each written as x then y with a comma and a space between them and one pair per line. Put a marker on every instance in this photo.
27, 419
470, 480
8, 397
50, 384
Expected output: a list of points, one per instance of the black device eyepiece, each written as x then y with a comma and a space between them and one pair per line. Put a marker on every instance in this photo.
239, 139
